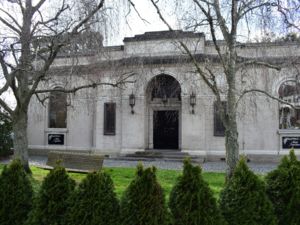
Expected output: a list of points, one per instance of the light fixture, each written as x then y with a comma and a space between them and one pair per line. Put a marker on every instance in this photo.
193, 101
132, 102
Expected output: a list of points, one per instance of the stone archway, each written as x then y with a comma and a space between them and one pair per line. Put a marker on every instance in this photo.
163, 100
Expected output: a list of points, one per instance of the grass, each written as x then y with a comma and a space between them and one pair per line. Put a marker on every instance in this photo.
123, 176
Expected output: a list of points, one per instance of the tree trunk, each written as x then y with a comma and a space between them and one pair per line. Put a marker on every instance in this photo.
231, 133
20, 137
232, 145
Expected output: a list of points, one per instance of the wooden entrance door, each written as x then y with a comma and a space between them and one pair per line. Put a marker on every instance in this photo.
165, 129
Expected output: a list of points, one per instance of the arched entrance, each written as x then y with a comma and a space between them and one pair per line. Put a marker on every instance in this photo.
164, 113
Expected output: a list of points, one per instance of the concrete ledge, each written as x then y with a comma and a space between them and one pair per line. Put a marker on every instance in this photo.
75, 161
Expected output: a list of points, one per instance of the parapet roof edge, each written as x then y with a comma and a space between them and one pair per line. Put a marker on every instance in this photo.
160, 35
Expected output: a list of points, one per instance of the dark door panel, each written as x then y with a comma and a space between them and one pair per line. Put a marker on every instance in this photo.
165, 129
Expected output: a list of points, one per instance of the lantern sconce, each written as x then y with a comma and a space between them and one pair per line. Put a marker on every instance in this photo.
193, 101
132, 102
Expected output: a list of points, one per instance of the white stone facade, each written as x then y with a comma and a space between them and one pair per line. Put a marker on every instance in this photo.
148, 56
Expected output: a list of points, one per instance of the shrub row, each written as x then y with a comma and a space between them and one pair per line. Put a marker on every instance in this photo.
245, 199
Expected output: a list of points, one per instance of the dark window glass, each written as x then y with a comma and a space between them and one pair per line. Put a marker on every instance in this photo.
165, 86
58, 110
219, 129
109, 118
289, 117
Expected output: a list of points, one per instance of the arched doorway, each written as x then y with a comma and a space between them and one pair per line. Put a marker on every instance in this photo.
164, 113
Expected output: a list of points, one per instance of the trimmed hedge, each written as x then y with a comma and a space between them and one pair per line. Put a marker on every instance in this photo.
283, 189
52, 201
244, 200
191, 200
143, 202
15, 194
94, 202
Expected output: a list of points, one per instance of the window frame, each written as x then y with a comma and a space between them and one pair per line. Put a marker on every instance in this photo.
107, 130
65, 107
218, 119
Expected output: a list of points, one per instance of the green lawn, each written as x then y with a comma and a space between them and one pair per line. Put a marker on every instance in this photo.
123, 176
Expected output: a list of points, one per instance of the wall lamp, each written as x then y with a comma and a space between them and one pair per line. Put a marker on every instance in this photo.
132, 102
193, 101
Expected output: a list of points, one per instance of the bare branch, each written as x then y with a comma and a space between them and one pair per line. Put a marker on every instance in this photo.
6, 107
6, 23
262, 92
42, 101
137, 12
12, 18
194, 61
75, 89
87, 18
258, 63
38, 6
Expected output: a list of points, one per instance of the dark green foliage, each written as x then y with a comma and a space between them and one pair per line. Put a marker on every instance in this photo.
243, 201
283, 189
5, 136
143, 202
94, 202
52, 201
15, 195
192, 201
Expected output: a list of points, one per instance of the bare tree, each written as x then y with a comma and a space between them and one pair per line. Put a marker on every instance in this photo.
30, 31
224, 20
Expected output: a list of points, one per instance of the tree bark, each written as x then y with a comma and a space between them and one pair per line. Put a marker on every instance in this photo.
20, 120
231, 132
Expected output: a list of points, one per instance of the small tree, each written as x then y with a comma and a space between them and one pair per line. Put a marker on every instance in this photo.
15, 195
192, 201
52, 201
94, 202
143, 202
244, 201
283, 189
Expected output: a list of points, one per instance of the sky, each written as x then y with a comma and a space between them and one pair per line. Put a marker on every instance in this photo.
147, 20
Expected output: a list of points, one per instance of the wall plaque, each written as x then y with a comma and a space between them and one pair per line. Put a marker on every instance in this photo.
290, 142
56, 139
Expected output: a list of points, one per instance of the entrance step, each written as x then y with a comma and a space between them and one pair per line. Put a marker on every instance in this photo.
166, 155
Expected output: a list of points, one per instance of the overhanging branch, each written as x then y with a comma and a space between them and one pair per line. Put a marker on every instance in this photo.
262, 92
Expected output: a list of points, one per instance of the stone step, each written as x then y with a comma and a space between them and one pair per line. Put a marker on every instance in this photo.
166, 155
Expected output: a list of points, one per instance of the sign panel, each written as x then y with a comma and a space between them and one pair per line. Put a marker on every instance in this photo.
291, 142
56, 139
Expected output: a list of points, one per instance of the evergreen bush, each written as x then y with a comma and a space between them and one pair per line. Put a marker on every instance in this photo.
6, 142
94, 202
283, 189
52, 201
244, 200
15, 194
191, 200
143, 202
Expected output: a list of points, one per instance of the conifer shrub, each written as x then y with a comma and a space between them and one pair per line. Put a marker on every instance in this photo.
143, 202
244, 200
95, 202
6, 142
191, 200
52, 201
283, 189
15, 194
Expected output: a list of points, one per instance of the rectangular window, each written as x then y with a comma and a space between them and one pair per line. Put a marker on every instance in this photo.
58, 110
109, 118
219, 129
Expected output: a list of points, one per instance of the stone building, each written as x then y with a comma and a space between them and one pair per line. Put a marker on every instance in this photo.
168, 106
